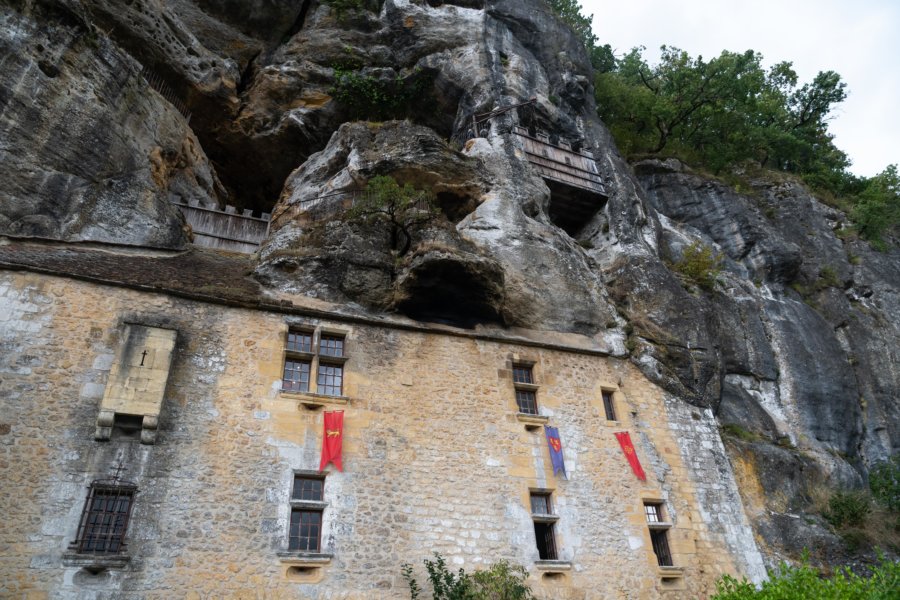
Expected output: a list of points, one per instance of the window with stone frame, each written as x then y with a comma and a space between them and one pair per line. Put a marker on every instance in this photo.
659, 532
307, 509
544, 524
608, 406
314, 355
525, 388
104, 518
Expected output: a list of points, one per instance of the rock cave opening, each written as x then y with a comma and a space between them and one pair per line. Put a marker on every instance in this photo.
452, 293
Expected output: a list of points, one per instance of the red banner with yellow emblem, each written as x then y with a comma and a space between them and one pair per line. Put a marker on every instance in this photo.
332, 439
630, 454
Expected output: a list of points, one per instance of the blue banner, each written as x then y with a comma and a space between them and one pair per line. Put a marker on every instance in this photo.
555, 446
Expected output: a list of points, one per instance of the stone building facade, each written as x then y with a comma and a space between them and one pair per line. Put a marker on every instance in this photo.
436, 456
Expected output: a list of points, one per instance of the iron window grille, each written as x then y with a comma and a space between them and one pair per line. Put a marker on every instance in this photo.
526, 390
544, 525
608, 405
308, 359
659, 533
105, 516
307, 497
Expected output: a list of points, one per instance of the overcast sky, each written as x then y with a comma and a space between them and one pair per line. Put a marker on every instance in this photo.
860, 39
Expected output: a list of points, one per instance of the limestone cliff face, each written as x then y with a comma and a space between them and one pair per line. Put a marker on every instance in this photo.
814, 372
89, 151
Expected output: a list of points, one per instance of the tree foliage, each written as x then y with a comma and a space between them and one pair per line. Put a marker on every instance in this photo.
721, 111
366, 96
876, 209
502, 581
402, 210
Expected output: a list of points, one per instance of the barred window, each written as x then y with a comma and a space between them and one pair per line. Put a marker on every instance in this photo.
307, 508
659, 533
526, 400
544, 525
104, 519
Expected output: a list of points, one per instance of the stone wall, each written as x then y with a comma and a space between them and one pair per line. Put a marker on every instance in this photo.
435, 459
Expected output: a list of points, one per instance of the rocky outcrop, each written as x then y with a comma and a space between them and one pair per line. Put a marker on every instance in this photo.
806, 345
90, 151
299, 107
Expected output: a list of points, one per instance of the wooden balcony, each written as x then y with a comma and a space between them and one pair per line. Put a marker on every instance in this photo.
576, 187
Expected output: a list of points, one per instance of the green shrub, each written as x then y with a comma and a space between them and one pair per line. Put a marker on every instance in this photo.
739, 432
804, 582
848, 508
700, 265
884, 481
379, 98
502, 581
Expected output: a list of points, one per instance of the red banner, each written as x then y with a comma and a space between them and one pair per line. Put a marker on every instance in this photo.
332, 439
630, 454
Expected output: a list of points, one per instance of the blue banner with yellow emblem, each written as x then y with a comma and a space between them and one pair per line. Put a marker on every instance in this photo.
556, 453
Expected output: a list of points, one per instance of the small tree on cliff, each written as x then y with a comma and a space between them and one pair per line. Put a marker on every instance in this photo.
404, 211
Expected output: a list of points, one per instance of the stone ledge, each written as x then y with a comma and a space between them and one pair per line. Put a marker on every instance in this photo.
553, 565
305, 559
544, 518
98, 562
532, 421
670, 572
314, 401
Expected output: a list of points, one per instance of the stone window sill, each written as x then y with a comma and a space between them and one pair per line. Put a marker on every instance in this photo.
670, 572
95, 562
553, 566
540, 518
660, 525
309, 504
532, 422
315, 401
305, 559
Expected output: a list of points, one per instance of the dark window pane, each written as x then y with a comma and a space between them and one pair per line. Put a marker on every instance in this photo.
305, 530
546, 541
296, 376
660, 540
330, 345
526, 401
608, 406
307, 488
330, 379
299, 341
522, 375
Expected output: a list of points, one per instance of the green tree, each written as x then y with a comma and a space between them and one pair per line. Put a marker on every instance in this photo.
402, 210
